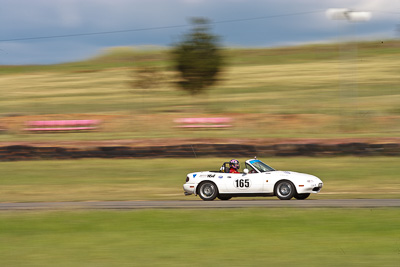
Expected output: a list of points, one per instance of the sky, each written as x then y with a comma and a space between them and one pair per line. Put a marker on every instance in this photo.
239, 23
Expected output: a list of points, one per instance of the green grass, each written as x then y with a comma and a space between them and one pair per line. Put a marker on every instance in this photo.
152, 179
235, 237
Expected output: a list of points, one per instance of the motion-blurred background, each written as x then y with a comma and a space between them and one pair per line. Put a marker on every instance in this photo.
283, 71
96, 80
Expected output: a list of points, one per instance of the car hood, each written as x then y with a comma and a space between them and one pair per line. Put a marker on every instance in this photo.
295, 175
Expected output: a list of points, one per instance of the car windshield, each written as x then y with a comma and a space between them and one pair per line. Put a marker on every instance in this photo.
261, 166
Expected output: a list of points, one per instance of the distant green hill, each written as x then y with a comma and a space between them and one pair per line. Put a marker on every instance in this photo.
133, 56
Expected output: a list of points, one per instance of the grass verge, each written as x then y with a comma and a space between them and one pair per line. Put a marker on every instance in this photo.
238, 237
152, 179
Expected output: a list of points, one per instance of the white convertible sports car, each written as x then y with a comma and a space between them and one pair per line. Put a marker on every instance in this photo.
257, 179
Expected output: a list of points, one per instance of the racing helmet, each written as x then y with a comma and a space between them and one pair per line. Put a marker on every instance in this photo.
234, 164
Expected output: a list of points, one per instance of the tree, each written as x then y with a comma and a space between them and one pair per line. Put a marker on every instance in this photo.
198, 58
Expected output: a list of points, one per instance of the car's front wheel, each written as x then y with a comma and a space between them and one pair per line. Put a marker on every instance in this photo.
208, 191
301, 196
285, 190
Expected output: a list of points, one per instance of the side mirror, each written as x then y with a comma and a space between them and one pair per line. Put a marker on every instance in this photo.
246, 171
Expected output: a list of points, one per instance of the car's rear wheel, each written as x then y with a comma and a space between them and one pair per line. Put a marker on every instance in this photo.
222, 197
301, 196
285, 190
208, 191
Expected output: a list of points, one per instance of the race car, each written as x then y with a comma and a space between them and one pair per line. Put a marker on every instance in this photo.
257, 179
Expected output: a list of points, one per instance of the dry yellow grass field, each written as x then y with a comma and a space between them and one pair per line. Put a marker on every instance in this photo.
311, 97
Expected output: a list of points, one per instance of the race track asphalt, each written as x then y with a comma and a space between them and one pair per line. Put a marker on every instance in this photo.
199, 204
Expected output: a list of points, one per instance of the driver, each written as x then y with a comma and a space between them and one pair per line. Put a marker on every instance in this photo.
234, 166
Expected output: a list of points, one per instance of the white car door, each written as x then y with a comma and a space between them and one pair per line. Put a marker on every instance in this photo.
244, 183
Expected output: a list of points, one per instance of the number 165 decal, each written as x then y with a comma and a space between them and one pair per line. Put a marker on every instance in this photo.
242, 183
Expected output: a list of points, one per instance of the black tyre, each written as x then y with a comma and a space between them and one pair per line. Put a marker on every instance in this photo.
285, 190
301, 196
208, 191
222, 197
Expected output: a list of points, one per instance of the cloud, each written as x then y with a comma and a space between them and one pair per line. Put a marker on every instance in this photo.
69, 13
25, 18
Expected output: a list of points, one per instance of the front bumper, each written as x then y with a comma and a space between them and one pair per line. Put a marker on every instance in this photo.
317, 188
310, 188
189, 189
